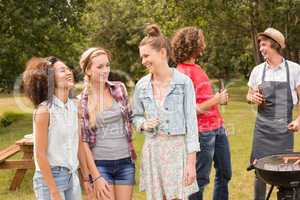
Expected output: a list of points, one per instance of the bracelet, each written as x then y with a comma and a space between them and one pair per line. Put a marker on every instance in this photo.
96, 179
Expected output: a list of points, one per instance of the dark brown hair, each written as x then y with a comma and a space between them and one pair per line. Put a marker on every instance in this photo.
38, 79
187, 43
274, 44
156, 39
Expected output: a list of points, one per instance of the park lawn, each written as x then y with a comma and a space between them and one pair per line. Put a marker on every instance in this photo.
239, 121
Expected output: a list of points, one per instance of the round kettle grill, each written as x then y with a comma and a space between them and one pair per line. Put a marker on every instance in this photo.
281, 171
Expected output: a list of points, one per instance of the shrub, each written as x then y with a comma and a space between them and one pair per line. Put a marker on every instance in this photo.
8, 118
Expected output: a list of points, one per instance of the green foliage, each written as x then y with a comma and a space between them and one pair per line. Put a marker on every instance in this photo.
66, 28
116, 25
239, 120
37, 28
9, 117
230, 28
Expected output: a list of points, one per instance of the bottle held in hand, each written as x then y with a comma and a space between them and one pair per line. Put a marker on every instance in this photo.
261, 91
222, 88
151, 124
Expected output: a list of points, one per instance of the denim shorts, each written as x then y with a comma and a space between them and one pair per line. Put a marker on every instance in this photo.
117, 172
67, 184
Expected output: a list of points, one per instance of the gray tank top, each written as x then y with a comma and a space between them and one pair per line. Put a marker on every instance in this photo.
111, 140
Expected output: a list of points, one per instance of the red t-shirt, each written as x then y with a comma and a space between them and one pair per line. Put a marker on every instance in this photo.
210, 119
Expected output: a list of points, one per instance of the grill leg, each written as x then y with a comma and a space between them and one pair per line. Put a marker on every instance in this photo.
270, 192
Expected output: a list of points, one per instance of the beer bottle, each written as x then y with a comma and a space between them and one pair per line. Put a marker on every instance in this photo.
221, 88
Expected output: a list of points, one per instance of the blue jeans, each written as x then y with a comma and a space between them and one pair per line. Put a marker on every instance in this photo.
117, 172
67, 184
214, 147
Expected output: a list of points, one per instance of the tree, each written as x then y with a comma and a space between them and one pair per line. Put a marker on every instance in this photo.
66, 28
37, 28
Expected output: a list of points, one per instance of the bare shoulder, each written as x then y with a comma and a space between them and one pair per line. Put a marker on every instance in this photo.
41, 114
42, 109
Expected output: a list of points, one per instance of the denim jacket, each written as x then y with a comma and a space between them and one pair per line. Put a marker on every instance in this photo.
177, 114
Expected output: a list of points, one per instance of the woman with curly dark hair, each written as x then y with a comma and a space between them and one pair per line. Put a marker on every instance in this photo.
47, 83
188, 45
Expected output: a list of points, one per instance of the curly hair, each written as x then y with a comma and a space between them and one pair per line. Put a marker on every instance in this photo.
38, 79
156, 39
187, 42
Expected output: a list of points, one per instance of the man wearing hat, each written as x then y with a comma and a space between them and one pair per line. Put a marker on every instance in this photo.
273, 87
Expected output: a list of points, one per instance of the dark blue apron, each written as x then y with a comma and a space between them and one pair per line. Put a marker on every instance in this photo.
271, 134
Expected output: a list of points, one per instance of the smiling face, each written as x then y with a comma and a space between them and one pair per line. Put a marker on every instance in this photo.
63, 76
265, 48
151, 58
99, 69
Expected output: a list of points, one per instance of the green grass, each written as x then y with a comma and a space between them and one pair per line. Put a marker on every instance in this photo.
239, 120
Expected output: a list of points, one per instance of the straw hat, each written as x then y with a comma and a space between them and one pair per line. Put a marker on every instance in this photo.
274, 34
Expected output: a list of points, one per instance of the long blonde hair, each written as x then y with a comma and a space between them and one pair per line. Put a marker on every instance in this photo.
85, 64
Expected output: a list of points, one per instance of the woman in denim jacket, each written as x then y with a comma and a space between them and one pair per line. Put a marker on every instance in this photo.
164, 109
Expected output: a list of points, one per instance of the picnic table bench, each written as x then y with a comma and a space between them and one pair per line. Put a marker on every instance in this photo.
24, 146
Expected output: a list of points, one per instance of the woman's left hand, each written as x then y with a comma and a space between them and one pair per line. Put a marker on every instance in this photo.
190, 173
102, 189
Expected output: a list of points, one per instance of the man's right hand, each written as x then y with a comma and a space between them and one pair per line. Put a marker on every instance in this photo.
222, 97
255, 97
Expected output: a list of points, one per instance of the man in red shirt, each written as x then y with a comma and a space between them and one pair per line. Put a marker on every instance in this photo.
188, 45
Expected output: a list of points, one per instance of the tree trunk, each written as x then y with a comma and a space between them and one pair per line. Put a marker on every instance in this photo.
253, 19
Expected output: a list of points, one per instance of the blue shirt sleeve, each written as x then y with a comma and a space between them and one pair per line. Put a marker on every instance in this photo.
137, 110
192, 141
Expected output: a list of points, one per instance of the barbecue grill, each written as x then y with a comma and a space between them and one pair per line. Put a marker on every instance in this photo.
281, 171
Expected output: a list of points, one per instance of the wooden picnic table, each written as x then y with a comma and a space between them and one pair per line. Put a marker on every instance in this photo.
24, 146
